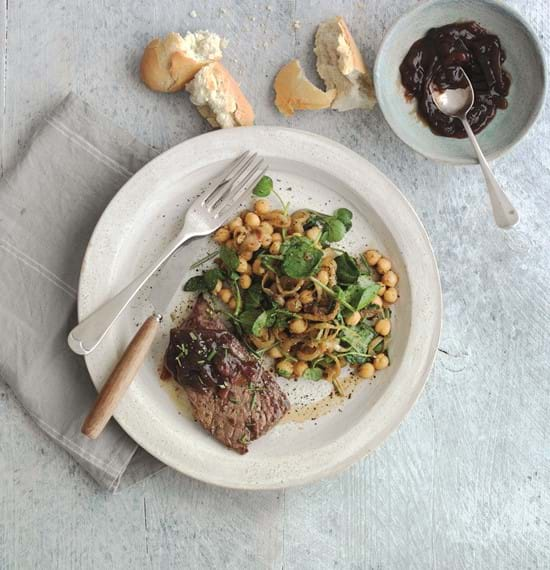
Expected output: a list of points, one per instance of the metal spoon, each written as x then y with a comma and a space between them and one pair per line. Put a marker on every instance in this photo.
457, 103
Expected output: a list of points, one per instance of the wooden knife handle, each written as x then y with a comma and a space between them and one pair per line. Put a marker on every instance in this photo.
121, 378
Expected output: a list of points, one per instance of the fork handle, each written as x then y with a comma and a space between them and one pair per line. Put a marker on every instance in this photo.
121, 377
90, 332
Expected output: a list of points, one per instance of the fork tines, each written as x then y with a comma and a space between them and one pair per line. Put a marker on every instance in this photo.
241, 176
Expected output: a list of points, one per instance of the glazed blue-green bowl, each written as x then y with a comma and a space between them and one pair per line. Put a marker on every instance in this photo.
524, 62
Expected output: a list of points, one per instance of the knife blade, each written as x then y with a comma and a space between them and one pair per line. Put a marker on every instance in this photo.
165, 285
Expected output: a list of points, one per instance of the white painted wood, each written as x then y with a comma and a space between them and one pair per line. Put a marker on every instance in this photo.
463, 484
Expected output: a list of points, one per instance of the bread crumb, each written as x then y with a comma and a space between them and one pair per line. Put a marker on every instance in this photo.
269, 8
297, 24
193, 13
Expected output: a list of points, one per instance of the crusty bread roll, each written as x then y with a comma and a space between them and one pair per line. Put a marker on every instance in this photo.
169, 63
294, 91
219, 98
340, 65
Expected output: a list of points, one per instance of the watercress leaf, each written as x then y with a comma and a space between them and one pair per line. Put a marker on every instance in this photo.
345, 216
247, 319
253, 296
229, 258
211, 278
347, 271
195, 284
335, 229
363, 296
261, 322
357, 338
264, 187
300, 257
313, 374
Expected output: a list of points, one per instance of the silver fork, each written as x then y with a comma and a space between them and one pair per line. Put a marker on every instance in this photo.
206, 214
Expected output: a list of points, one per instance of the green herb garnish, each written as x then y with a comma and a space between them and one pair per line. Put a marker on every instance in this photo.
264, 187
300, 257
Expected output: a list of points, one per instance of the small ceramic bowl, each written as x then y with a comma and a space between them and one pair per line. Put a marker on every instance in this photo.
524, 62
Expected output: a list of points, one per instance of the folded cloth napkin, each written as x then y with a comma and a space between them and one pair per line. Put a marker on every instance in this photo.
49, 205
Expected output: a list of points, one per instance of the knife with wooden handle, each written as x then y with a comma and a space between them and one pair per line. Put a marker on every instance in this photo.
164, 287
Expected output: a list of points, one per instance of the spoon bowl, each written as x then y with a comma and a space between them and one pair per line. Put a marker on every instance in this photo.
457, 103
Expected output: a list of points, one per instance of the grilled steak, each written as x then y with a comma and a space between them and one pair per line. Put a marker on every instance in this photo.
232, 396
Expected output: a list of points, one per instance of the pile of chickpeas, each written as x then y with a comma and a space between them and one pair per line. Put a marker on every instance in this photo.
262, 227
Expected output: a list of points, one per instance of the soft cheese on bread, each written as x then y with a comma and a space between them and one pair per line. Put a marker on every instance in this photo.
219, 98
168, 64
341, 66
294, 91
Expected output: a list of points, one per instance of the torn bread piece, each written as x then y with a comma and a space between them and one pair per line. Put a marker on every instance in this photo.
341, 66
294, 91
219, 98
168, 64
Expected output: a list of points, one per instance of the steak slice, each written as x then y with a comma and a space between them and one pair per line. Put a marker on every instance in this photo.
232, 396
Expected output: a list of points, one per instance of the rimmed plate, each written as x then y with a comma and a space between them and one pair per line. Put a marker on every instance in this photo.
310, 171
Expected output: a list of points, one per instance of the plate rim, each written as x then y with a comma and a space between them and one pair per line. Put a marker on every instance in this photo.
423, 375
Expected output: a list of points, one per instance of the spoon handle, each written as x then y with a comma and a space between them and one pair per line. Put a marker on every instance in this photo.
504, 213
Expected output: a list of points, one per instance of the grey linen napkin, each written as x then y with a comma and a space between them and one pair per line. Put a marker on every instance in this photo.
49, 205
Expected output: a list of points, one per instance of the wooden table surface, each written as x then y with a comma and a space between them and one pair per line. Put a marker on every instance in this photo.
464, 482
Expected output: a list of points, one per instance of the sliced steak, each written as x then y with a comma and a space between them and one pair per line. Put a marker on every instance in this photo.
232, 396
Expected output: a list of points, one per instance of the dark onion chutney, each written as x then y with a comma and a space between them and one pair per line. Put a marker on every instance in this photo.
439, 57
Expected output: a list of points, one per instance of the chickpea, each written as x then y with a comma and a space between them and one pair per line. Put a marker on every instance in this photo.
239, 235
218, 287
251, 243
275, 247
276, 237
245, 281
252, 220
246, 255
277, 219
266, 228
230, 244
377, 301
383, 327
313, 233
298, 326
381, 361
366, 370
222, 235
257, 267
382, 289
294, 305
306, 296
323, 276
353, 319
297, 229
232, 304
301, 216
284, 368
225, 295
372, 256
299, 368
265, 240
243, 265
262, 207
383, 265
275, 352
390, 279
390, 296
235, 223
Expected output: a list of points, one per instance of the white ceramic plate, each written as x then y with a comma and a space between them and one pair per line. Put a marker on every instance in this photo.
323, 175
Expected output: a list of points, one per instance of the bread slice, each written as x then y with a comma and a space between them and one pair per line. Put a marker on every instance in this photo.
219, 98
168, 64
294, 91
341, 66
